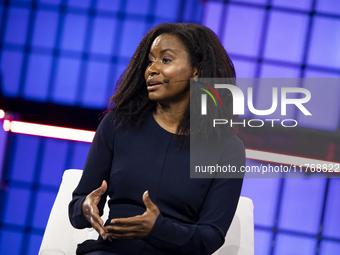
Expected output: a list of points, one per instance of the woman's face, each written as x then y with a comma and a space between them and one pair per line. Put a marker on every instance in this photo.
169, 59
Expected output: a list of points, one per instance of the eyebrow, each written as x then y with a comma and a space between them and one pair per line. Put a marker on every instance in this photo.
162, 51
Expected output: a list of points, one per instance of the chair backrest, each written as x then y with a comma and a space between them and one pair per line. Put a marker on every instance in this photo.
240, 236
61, 238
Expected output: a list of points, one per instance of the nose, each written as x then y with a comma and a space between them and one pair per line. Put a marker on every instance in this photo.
153, 69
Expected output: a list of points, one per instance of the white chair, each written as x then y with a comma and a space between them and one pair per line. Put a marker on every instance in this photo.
240, 236
60, 238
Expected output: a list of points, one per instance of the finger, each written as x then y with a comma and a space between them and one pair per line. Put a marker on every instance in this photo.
128, 235
114, 229
125, 236
97, 224
101, 190
128, 221
100, 230
97, 219
148, 202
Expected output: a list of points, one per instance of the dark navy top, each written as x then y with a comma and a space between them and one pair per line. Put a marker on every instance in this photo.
195, 213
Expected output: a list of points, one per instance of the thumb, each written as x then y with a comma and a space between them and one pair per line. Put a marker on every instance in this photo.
102, 189
147, 201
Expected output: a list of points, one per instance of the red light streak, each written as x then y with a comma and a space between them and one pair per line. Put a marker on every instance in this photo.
87, 136
48, 131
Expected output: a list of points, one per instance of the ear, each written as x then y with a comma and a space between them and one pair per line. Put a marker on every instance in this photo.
195, 72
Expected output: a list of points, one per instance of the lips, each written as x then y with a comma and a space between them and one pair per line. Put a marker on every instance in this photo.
153, 83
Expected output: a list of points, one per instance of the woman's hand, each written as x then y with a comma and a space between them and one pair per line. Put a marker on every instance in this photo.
91, 211
136, 227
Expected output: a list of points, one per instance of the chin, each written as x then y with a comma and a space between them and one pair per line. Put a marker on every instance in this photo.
161, 98
155, 97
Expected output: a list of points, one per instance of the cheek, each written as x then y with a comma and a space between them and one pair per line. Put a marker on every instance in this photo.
146, 74
176, 71
170, 71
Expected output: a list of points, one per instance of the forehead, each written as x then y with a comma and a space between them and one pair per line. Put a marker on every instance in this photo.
168, 41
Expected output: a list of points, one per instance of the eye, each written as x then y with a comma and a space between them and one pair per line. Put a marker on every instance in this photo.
166, 60
150, 62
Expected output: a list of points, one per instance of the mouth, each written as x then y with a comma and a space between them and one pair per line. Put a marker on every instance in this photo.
152, 85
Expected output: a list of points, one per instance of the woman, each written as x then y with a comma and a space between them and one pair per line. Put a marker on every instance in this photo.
140, 155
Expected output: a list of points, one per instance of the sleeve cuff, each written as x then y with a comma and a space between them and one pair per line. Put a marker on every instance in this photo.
77, 218
155, 229
160, 235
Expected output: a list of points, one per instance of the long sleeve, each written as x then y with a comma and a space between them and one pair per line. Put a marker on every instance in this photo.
208, 234
215, 216
96, 169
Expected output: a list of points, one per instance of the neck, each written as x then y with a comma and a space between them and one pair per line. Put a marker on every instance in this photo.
170, 115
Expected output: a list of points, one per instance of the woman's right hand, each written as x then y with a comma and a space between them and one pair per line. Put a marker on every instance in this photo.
91, 211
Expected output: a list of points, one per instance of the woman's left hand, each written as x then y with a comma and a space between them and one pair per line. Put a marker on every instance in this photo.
136, 227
